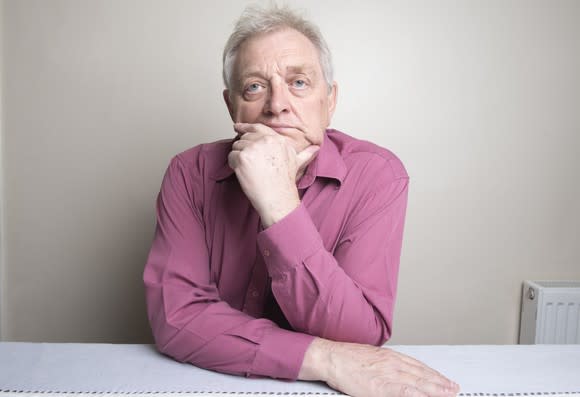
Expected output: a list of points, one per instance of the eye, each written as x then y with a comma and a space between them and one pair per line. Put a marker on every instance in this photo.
253, 88
299, 83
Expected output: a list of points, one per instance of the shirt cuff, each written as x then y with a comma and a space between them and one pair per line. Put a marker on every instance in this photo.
289, 241
281, 354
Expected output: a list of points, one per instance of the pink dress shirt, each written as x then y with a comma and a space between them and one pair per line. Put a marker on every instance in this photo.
225, 294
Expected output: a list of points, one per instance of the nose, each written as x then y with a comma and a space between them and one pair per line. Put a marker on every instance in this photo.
278, 101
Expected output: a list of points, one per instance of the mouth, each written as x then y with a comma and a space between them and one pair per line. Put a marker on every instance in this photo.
281, 128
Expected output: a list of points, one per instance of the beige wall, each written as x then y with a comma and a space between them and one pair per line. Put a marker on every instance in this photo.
480, 99
2, 250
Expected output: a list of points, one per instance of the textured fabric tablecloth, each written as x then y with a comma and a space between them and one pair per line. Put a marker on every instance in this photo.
56, 368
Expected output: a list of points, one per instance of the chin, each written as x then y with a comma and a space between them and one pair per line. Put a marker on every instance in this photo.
300, 146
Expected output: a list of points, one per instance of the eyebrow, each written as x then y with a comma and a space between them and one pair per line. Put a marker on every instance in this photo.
306, 69
299, 69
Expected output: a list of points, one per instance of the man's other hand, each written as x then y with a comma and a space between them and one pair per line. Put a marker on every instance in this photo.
267, 168
369, 371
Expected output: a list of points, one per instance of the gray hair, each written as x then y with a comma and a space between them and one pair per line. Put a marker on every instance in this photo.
256, 20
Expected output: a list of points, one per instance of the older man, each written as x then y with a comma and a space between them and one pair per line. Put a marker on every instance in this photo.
276, 253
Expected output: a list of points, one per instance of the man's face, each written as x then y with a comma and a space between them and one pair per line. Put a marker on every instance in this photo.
278, 82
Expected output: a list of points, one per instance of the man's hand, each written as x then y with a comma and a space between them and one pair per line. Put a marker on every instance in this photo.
369, 371
267, 167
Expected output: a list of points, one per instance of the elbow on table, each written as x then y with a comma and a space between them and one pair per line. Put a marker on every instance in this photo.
171, 336
179, 344
222, 353
167, 340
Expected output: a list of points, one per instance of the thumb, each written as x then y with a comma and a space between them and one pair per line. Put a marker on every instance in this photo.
304, 157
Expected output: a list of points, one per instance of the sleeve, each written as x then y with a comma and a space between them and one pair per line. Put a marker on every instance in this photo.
347, 295
188, 319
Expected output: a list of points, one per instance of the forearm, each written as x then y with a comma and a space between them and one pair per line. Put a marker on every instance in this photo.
346, 297
215, 336
320, 299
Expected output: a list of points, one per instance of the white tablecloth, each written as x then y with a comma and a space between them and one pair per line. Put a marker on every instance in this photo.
28, 369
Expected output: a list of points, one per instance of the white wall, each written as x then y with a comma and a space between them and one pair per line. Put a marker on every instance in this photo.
480, 99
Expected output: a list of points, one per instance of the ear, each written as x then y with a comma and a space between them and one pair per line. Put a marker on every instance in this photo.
228, 101
332, 97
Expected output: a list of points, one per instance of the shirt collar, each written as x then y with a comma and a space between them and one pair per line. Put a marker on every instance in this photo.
328, 163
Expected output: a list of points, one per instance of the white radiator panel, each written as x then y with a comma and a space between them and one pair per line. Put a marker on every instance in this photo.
550, 312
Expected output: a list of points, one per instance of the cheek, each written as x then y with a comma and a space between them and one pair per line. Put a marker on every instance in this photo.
247, 112
323, 106
317, 116
315, 132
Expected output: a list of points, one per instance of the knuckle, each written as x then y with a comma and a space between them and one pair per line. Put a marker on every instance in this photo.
392, 362
379, 384
269, 139
232, 160
376, 382
243, 156
408, 391
423, 384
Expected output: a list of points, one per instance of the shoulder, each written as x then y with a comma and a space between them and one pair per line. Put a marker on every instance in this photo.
362, 156
207, 159
192, 173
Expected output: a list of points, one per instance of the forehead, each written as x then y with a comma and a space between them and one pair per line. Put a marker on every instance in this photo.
282, 49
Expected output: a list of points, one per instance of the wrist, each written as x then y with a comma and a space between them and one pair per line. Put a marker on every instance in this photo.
317, 363
276, 211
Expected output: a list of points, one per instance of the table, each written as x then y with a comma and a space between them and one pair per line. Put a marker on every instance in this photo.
56, 369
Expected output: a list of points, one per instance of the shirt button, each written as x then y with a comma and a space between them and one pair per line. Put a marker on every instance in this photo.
255, 294
266, 252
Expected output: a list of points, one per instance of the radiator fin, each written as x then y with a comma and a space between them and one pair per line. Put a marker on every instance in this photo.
550, 312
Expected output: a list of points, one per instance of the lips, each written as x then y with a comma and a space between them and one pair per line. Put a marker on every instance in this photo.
280, 128
277, 125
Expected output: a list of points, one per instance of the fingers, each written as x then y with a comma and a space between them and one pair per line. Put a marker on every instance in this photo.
233, 159
262, 141
304, 157
250, 136
241, 144
247, 139
371, 371
244, 128
244, 139
421, 370
418, 375
426, 385
405, 391
249, 133
434, 382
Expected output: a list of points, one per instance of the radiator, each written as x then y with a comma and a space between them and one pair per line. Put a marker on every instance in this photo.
550, 312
